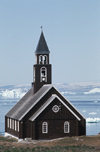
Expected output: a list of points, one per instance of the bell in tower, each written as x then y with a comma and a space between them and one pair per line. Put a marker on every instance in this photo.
42, 68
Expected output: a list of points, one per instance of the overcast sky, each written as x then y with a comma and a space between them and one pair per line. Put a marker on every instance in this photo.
72, 32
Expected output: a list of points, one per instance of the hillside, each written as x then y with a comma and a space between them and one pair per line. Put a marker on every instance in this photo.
68, 144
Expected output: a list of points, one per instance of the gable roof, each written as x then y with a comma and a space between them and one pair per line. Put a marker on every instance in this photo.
45, 105
27, 102
22, 108
42, 47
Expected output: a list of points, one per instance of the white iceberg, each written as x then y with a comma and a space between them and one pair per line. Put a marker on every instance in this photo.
93, 91
93, 120
14, 93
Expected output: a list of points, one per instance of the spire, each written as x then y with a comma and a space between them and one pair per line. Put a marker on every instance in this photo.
42, 47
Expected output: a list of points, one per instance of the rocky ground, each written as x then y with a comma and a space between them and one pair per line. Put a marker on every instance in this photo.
68, 144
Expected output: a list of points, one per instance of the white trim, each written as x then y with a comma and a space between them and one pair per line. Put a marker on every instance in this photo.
10, 122
70, 103
18, 125
44, 127
55, 108
37, 100
67, 107
15, 125
48, 102
66, 124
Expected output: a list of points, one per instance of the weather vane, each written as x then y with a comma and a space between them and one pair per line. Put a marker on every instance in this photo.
41, 28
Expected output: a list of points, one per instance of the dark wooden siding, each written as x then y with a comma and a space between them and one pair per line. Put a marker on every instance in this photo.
55, 129
33, 129
56, 122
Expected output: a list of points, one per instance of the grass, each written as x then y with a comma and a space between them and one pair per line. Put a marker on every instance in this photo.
49, 149
68, 144
7, 139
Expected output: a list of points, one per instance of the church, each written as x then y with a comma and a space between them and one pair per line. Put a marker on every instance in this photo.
43, 112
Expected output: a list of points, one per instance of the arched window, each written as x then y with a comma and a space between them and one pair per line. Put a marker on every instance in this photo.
40, 59
66, 127
44, 127
45, 59
43, 74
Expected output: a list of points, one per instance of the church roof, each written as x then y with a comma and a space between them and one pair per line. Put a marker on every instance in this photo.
27, 103
42, 47
30, 100
41, 109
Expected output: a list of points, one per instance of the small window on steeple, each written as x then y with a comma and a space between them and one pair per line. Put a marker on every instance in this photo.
43, 74
45, 59
40, 59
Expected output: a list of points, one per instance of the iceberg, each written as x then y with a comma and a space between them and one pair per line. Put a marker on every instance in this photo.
93, 120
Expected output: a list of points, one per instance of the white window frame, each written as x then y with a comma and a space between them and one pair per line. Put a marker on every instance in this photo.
44, 127
15, 125
45, 77
10, 123
18, 125
66, 127
55, 108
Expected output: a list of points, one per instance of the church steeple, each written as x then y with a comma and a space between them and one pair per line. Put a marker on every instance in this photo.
42, 47
42, 68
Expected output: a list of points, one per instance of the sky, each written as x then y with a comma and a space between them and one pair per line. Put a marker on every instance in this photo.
72, 32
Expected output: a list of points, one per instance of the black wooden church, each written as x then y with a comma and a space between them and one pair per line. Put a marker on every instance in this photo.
43, 113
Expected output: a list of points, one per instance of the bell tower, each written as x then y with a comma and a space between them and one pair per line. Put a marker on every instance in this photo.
42, 68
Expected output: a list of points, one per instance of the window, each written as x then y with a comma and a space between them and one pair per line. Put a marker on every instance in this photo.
42, 59
45, 59
15, 125
12, 124
34, 74
66, 127
55, 108
18, 126
44, 127
8, 122
43, 74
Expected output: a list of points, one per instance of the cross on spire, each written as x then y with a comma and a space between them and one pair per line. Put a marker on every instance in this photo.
41, 28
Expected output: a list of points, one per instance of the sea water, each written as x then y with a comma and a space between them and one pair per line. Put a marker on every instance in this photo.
89, 109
